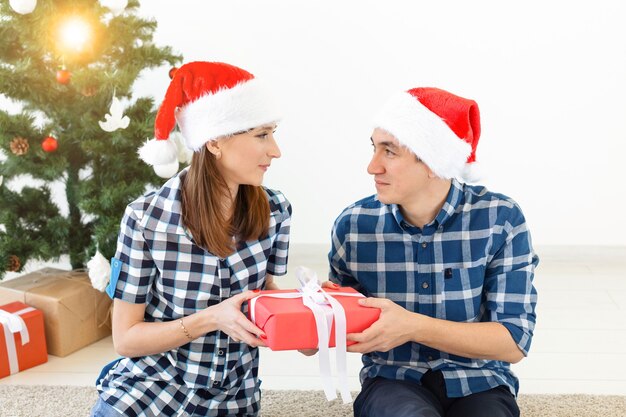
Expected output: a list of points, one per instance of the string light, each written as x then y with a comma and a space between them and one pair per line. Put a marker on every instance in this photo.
74, 33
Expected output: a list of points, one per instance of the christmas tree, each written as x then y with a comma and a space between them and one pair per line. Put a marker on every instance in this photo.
66, 64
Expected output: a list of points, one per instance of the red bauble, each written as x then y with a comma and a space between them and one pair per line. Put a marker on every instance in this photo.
49, 144
172, 72
63, 76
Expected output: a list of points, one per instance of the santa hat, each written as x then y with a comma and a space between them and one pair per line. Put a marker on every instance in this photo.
207, 100
442, 129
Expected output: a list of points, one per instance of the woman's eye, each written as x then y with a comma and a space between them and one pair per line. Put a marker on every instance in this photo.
389, 153
262, 136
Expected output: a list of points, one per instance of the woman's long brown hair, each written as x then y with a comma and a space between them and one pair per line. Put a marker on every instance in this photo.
204, 193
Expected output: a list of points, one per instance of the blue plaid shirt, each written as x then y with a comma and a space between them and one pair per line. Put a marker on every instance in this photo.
473, 263
158, 263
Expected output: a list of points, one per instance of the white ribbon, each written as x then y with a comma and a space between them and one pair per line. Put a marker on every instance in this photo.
12, 323
325, 308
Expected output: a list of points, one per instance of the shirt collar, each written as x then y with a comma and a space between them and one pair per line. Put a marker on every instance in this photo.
453, 199
165, 211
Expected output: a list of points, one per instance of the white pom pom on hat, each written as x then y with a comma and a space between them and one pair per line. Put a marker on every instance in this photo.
207, 100
441, 128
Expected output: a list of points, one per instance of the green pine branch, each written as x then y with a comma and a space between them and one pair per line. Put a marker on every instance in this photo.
100, 170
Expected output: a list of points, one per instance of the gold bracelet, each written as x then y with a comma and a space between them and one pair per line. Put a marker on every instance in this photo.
182, 326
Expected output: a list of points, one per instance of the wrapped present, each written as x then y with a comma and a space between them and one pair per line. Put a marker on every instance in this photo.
289, 324
22, 338
75, 314
312, 317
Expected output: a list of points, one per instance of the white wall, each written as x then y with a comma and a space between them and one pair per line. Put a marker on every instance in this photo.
549, 77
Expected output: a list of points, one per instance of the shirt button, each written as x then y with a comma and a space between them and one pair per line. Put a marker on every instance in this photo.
430, 358
425, 285
215, 382
220, 352
424, 244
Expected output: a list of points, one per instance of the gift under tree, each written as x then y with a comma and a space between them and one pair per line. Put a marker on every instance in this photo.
70, 67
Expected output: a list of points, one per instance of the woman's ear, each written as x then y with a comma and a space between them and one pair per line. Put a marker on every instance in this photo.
214, 147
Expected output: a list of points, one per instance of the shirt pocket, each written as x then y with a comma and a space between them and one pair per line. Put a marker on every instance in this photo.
463, 293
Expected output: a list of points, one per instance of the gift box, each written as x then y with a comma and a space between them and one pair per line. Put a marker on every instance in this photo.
22, 338
290, 325
75, 314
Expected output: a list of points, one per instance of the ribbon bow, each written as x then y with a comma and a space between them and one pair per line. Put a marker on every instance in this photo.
12, 323
325, 309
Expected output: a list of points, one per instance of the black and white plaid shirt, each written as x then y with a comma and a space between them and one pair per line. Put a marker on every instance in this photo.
157, 263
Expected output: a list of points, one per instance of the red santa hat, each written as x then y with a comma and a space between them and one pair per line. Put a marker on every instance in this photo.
442, 129
207, 100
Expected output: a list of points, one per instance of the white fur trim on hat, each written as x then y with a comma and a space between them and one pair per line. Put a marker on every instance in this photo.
242, 107
158, 152
424, 133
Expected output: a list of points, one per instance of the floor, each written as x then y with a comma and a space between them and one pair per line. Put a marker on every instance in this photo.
579, 344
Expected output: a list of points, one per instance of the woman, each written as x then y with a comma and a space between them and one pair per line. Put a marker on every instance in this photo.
192, 253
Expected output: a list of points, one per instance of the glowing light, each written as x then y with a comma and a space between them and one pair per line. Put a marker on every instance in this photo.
75, 33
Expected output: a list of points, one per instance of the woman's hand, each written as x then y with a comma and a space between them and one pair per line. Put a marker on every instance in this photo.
228, 318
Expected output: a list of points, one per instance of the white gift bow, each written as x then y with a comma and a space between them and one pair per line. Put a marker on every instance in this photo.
13, 323
317, 300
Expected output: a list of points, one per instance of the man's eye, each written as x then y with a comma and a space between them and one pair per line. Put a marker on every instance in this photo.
262, 136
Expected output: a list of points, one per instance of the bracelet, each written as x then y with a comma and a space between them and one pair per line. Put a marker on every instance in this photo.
182, 326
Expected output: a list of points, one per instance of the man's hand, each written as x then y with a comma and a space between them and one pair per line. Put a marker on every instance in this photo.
229, 319
394, 327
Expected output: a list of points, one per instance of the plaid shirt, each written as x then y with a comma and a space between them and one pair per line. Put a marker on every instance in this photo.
473, 263
157, 263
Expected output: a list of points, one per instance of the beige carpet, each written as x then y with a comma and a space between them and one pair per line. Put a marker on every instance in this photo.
46, 401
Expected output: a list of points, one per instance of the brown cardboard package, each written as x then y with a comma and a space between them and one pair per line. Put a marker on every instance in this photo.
75, 314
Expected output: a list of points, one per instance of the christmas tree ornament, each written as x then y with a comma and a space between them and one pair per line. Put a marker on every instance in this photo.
171, 72
184, 153
116, 6
14, 264
19, 146
89, 90
49, 144
115, 119
23, 6
99, 271
63, 76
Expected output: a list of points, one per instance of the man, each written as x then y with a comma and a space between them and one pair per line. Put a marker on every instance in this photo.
450, 266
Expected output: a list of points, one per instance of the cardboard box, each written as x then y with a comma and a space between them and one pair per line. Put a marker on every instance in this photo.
75, 314
23, 353
290, 325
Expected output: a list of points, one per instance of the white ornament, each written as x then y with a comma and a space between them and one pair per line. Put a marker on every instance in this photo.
99, 271
23, 6
116, 6
166, 170
184, 153
115, 120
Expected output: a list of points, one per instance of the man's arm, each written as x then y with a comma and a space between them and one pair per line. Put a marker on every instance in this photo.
397, 326
510, 299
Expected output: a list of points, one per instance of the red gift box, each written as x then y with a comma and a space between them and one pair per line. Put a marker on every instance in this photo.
289, 325
15, 356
